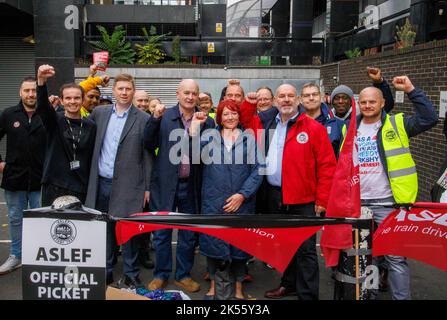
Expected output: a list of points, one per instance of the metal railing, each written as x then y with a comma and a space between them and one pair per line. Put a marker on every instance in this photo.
233, 51
146, 2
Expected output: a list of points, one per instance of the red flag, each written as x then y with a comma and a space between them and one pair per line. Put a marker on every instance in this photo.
344, 198
275, 246
420, 233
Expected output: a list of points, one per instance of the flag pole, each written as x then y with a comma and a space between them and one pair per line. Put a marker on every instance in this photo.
357, 276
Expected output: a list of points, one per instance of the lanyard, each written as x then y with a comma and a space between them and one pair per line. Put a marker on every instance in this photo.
75, 143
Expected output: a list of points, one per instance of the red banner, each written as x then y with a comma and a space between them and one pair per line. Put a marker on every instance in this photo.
275, 246
420, 234
344, 199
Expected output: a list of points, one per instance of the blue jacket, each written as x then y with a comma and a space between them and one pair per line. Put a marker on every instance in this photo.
225, 175
165, 174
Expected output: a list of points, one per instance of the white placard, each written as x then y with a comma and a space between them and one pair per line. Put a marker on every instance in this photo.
73, 242
442, 104
400, 95
63, 259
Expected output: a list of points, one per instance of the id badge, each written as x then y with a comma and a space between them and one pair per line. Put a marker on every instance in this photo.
75, 165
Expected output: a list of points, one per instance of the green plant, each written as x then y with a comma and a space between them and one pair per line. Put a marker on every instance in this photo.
406, 34
353, 53
152, 51
176, 55
120, 51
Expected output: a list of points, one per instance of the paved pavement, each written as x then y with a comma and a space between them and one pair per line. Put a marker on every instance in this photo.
427, 282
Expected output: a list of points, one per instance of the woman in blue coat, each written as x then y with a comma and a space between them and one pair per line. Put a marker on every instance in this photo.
231, 178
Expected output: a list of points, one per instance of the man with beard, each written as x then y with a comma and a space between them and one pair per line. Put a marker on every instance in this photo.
22, 167
299, 169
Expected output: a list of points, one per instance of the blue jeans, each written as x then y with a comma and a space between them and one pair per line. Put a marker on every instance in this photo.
398, 269
184, 202
17, 201
129, 249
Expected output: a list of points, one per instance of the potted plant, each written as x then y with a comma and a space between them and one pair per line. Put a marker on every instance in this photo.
405, 35
120, 50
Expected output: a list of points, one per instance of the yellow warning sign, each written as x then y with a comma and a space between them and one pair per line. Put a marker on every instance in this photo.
219, 27
211, 47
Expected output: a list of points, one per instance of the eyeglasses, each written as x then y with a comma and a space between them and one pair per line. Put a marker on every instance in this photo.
313, 94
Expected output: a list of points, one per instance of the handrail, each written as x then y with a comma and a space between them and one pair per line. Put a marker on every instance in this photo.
381, 21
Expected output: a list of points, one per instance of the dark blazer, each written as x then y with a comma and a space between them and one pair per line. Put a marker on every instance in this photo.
25, 149
165, 175
133, 164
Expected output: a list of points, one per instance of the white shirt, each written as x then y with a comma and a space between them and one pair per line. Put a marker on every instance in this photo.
374, 183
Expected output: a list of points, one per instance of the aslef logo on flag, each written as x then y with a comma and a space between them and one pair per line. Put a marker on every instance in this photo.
419, 233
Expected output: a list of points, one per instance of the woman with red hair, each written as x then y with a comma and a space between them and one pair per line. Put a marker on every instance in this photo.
230, 181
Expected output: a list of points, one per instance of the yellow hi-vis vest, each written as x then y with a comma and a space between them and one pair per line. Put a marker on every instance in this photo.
401, 168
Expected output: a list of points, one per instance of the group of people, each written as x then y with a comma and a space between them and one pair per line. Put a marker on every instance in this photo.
262, 152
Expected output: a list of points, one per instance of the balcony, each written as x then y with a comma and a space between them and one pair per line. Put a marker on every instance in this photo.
145, 2
278, 51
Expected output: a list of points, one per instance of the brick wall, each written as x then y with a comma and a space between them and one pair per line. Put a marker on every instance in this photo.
426, 66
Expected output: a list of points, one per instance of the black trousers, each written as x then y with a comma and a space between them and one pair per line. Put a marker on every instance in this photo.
302, 273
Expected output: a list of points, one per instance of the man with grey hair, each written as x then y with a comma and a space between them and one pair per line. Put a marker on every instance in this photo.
174, 186
299, 169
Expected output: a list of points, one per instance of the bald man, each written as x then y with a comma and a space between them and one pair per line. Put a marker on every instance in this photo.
141, 100
175, 185
300, 165
387, 170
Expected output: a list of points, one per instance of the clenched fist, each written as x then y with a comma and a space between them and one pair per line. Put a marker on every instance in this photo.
159, 110
375, 74
199, 117
252, 97
403, 83
54, 100
105, 80
44, 72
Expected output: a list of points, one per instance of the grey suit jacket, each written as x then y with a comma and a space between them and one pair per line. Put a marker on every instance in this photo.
133, 164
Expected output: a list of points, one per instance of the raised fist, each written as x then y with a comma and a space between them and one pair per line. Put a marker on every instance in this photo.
199, 117
92, 70
403, 83
252, 97
159, 110
375, 74
54, 100
44, 72
105, 80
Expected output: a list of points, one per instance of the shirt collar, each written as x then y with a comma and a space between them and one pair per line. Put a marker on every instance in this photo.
125, 112
278, 117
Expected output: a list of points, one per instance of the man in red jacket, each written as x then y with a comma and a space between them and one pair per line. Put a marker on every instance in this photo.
300, 164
